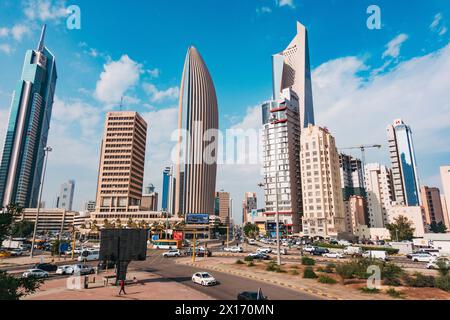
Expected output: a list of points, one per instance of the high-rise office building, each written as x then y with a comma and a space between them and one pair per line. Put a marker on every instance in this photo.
445, 177
281, 154
352, 176
28, 126
168, 190
323, 204
249, 204
291, 69
65, 198
222, 206
431, 202
197, 151
404, 168
121, 170
379, 192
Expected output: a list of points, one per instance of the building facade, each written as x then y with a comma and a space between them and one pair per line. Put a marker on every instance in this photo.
149, 199
50, 220
222, 207
379, 192
432, 205
27, 130
414, 214
198, 124
249, 204
323, 204
352, 176
355, 215
168, 190
281, 154
405, 177
65, 198
121, 169
445, 177
89, 206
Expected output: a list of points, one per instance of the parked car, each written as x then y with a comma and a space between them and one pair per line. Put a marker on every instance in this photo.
46, 267
319, 251
353, 251
309, 248
204, 279
251, 295
433, 264
376, 254
80, 269
16, 252
282, 251
259, 256
103, 265
264, 250
251, 241
36, 273
171, 253
410, 255
334, 255
64, 270
422, 257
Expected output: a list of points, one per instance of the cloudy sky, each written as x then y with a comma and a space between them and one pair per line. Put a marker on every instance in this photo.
362, 79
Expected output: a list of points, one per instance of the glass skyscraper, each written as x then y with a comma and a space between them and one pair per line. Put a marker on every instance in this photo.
27, 131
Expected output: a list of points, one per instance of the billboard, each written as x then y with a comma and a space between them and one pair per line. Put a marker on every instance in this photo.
178, 235
197, 218
123, 244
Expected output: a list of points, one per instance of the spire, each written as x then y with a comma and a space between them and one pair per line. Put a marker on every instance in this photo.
41, 40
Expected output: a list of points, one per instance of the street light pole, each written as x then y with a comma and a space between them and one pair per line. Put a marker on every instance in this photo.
277, 216
46, 152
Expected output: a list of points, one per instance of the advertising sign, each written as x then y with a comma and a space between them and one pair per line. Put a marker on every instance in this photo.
178, 235
155, 237
197, 218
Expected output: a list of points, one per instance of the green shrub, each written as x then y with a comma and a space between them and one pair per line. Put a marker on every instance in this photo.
395, 282
391, 271
443, 283
346, 270
442, 268
309, 273
328, 245
394, 293
320, 269
248, 259
239, 261
250, 264
294, 272
273, 267
326, 279
420, 281
370, 290
330, 268
387, 249
306, 261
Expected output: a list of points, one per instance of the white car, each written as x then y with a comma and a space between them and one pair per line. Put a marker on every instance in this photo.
36, 273
263, 250
204, 278
252, 241
433, 264
282, 251
235, 249
334, 255
172, 253
16, 252
422, 257
64, 270
309, 248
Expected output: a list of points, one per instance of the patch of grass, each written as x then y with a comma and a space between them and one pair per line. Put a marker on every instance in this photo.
251, 264
394, 293
248, 259
370, 290
294, 272
330, 268
273, 267
326, 279
294, 267
320, 269
443, 283
306, 261
419, 280
239, 261
309, 273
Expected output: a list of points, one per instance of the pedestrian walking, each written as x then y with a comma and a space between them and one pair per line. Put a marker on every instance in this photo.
122, 287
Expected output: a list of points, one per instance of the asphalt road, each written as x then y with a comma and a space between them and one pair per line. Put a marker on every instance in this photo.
229, 285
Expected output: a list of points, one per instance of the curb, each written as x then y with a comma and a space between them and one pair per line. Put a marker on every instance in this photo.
244, 275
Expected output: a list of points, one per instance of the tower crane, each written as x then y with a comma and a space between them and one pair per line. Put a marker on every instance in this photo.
363, 150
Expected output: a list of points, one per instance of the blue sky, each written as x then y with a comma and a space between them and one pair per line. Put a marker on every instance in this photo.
363, 79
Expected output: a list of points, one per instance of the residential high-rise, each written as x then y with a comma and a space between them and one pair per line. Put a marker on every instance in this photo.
65, 198
149, 199
121, 170
281, 136
354, 213
445, 177
431, 202
291, 69
323, 204
168, 190
197, 150
379, 191
352, 176
404, 169
28, 126
249, 204
222, 206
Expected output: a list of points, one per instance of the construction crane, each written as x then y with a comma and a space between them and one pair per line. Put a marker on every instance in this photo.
363, 150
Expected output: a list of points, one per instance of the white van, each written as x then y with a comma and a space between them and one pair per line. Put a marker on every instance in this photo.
375, 254
353, 251
89, 255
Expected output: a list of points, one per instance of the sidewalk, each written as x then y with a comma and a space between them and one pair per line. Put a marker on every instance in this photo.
26, 260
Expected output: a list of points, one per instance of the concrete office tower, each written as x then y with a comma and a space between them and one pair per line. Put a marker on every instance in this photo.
352, 176
168, 190
291, 69
121, 171
197, 151
379, 191
222, 206
431, 202
323, 204
445, 177
65, 198
404, 169
149, 199
27, 130
354, 214
249, 204
281, 136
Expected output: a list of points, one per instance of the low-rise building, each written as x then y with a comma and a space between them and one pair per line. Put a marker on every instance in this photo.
50, 220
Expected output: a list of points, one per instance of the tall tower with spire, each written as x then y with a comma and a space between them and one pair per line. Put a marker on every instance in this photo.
28, 125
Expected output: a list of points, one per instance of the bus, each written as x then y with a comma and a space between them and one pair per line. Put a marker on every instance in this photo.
167, 244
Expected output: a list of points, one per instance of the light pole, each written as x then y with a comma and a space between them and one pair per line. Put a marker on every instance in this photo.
277, 216
47, 150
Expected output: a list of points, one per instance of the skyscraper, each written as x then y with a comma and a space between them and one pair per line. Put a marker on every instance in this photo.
222, 206
323, 205
445, 177
352, 176
27, 131
281, 154
248, 205
65, 198
404, 169
291, 69
168, 190
197, 150
121, 171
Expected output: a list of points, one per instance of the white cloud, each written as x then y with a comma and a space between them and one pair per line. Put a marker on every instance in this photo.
6, 48
116, 79
45, 10
4, 32
438, 25
289, 3
154, 73
156, 95
263, 10
394, 46
19, 30
437, 19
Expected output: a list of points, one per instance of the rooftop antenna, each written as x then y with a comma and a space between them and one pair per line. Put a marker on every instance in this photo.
121, 103
41, 40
